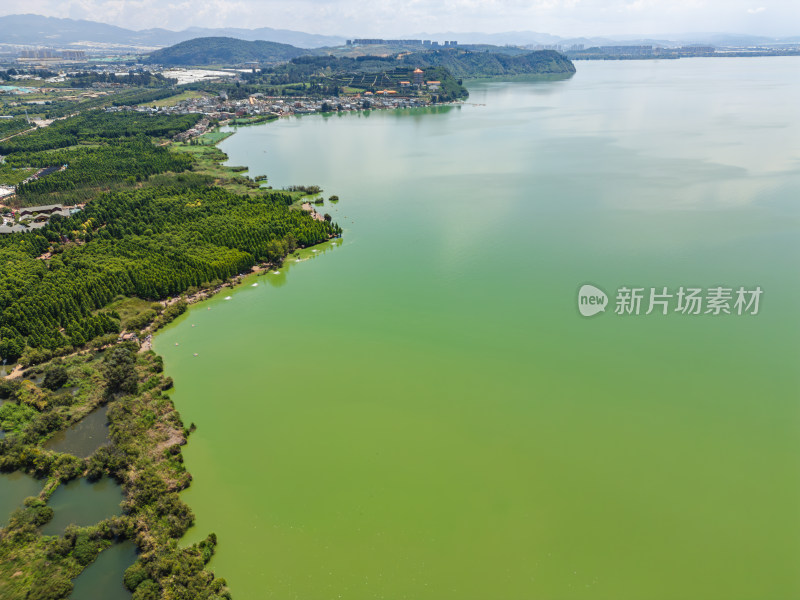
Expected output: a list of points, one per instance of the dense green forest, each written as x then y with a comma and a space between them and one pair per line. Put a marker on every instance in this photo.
98, 126
11, 126
223, 51
151, 243
476, 65
98, 150
88, 168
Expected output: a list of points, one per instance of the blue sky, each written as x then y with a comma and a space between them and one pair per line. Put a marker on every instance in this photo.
393, 18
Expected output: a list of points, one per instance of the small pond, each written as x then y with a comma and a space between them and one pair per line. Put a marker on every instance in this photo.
84, 437
83, 503
103, 578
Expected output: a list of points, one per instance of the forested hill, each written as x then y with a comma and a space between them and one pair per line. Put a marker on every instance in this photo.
223, 51
469, 64
329, 75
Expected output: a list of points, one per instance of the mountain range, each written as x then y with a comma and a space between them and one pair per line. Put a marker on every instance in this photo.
36, 30
51, 31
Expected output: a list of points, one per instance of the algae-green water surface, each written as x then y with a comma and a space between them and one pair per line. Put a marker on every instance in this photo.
421, 412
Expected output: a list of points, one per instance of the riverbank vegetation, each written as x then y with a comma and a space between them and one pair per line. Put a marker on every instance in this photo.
161, 220
143, 455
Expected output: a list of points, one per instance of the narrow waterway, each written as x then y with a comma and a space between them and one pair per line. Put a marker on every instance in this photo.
103, 578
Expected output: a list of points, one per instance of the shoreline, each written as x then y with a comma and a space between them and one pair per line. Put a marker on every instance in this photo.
158, 442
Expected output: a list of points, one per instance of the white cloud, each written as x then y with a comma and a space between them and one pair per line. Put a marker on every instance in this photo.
392, 17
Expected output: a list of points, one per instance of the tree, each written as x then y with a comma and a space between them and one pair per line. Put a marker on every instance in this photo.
134, 576
55, 377
119, 370
85, 550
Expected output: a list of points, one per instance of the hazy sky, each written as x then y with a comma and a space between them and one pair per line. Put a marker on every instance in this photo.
390, 17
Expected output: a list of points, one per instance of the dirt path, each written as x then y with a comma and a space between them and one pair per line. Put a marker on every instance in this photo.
20, 133
16, 372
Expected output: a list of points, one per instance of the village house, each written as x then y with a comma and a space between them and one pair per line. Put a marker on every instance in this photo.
35, 217
47, 211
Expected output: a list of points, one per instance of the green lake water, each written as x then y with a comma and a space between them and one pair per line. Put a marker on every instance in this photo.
421, 412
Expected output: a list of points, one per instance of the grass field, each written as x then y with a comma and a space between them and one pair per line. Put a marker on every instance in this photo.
173, 100
9, 176
129, 308
208, 159
213, 138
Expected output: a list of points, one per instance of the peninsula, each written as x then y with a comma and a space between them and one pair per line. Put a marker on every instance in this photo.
156, 223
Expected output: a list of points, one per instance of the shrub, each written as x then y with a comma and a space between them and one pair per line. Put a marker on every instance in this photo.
55, 377
85, 550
